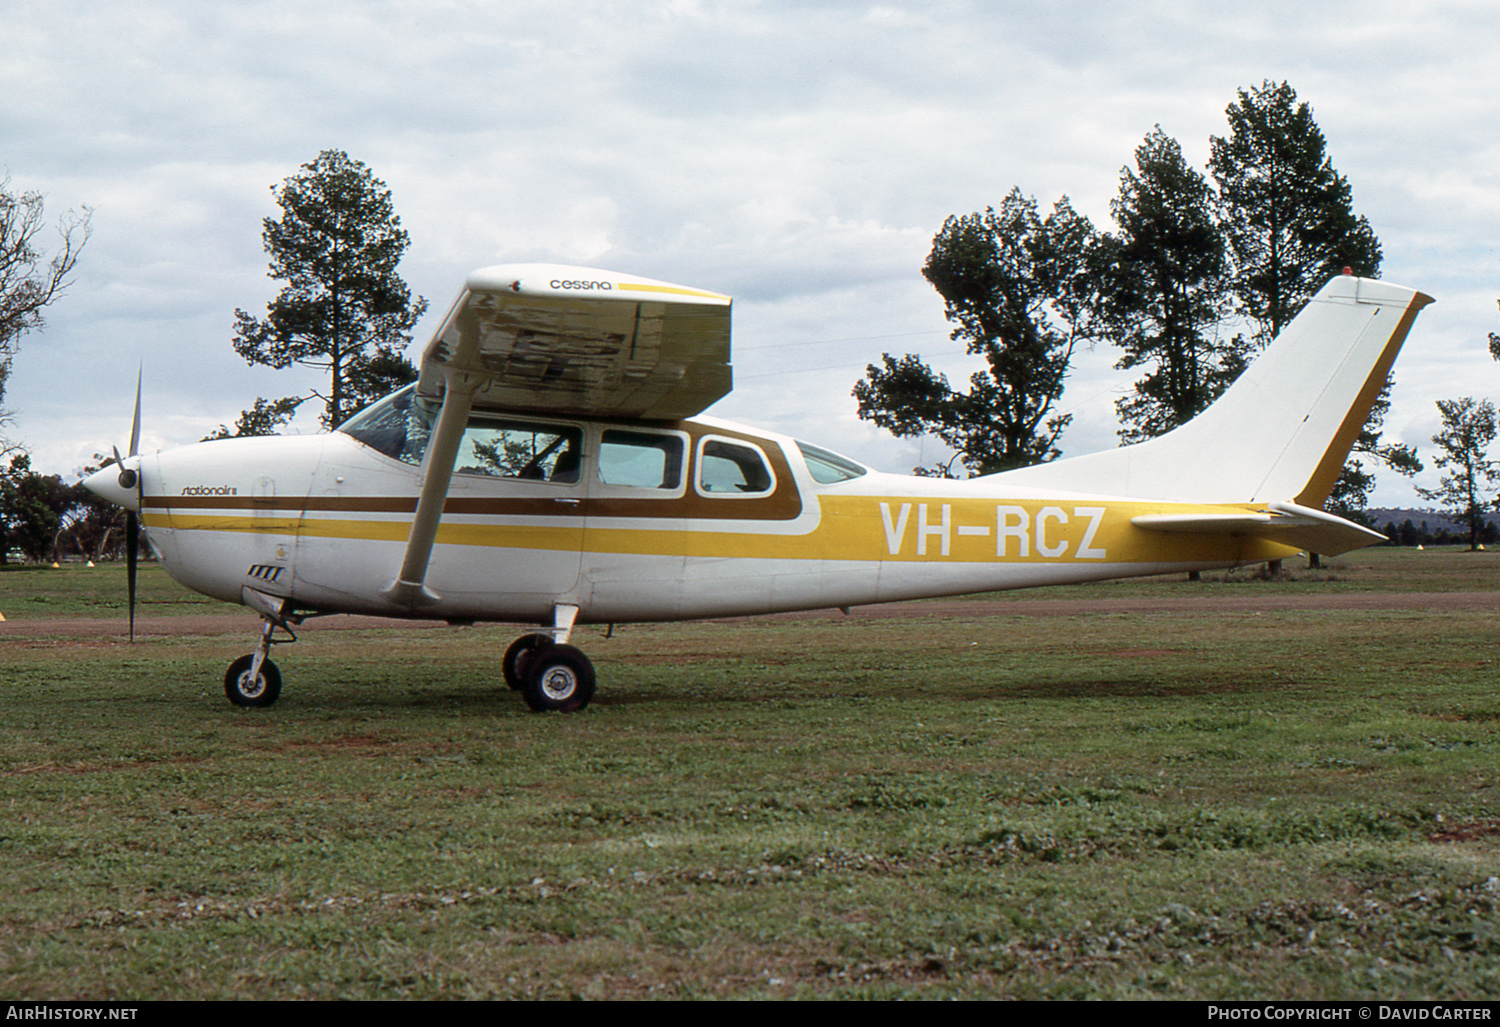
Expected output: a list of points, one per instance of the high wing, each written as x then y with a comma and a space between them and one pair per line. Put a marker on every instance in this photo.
575, 341
570, 341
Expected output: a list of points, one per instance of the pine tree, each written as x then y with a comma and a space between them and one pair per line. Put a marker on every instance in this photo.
1288, 218
1287, 215
1167, 291
344, 308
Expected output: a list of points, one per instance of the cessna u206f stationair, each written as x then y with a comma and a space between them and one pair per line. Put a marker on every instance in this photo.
550, 466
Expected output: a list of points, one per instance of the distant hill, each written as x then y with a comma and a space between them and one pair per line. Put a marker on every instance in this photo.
1436, 519
1429, 526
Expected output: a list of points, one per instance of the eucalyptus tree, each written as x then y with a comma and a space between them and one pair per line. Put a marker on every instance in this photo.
31, 278
1469, 426
1018, 288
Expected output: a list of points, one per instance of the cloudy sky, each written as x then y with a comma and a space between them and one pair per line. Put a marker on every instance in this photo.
796, 155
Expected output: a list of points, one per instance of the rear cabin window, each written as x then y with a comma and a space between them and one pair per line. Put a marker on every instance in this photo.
642, 460
732, 469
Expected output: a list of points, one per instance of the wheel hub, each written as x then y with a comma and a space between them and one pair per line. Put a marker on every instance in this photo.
252, 687
559, 683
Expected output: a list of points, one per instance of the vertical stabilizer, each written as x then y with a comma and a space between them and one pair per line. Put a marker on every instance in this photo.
1283, 430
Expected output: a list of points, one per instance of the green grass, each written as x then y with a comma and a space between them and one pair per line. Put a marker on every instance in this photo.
31, 592
1120, 805
1435, 569
39, 592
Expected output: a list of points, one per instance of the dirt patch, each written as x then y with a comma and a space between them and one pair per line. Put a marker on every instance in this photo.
1467, 832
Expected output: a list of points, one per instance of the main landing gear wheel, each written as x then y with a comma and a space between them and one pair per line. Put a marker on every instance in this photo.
558, 678
513, 666
243, 690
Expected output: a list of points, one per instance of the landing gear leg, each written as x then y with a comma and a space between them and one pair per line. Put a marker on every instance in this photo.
551, 675
253, 680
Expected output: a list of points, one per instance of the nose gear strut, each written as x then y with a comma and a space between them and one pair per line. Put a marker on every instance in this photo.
253, 679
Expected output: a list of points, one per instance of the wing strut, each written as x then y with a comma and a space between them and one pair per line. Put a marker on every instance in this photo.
460, 384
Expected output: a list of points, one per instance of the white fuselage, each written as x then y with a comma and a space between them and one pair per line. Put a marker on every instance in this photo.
324, 520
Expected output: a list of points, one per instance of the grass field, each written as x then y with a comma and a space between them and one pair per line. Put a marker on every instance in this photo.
1117, 805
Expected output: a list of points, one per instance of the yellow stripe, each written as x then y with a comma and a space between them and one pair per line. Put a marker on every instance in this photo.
673, 289
210, 522
850, 528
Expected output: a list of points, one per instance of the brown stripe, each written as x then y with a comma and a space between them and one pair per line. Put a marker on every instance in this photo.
689, 506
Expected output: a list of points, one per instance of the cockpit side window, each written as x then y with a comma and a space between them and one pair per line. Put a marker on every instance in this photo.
637, 459
519, 449
400, 426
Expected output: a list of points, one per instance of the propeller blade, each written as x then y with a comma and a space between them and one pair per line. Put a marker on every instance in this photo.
132, 543
135, 424
129, 478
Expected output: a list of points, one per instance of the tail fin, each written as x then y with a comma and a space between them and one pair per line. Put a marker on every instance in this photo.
1283, 430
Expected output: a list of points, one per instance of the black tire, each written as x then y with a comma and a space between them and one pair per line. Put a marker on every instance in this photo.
242, 691
559, 679
513, 666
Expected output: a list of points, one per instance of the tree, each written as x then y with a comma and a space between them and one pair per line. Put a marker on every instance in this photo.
1287, 215
1469, 427
344, 308
1494, 345
261, 419
1017, 287
1288, 219
29, 280
31, 508
1166, 291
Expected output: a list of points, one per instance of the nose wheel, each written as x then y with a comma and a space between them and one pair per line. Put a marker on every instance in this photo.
248, 685
253, 680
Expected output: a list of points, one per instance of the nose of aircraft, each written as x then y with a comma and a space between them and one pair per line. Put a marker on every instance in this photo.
117, 483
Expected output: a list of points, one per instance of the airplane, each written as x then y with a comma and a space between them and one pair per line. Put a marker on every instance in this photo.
552, 466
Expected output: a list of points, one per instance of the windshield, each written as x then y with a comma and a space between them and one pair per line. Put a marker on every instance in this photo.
398, 426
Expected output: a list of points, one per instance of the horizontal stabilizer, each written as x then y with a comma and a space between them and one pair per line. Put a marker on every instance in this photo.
1283, 523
